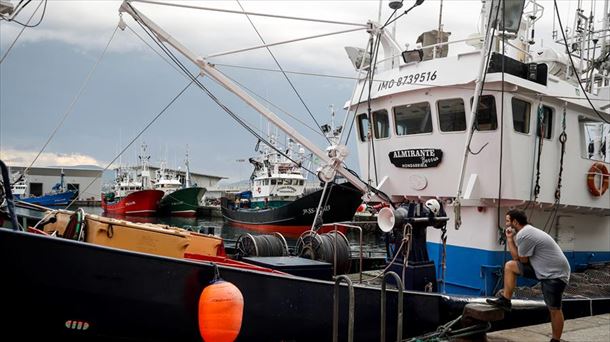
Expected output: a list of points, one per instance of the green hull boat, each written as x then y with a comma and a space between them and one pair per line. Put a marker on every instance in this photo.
182, 202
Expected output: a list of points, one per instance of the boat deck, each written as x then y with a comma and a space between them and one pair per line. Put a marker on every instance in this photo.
589, 329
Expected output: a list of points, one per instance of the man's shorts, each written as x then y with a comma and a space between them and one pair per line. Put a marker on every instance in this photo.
552, 289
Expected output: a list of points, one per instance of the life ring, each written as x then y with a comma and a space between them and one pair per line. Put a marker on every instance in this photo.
259, 189
598, 169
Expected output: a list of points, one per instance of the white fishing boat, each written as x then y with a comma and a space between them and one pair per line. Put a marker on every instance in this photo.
524, 146
277, 178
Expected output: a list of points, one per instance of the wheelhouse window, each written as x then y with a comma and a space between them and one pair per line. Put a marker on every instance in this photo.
35, 189
521, 115
547, 121
363, 127
593, 146
486, 119
451, 115
413, 118
381, 124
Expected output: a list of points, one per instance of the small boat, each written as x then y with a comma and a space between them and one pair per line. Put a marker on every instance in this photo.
295, 217
179, 199
130, 200
278, 201
131, 194
58, 195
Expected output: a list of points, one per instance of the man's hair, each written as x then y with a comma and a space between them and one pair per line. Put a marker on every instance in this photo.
518, 215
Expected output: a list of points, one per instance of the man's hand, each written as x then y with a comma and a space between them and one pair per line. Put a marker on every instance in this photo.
509, 233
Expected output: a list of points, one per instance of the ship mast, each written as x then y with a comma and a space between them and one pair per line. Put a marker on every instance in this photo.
187, 179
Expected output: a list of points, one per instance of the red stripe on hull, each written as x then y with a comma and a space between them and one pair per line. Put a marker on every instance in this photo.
139, 203
288, 231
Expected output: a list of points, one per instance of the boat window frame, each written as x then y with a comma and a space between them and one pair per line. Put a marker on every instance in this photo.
36, 185
529, 118
583, 132
438, 115
363, 136
410, 134
476, 125
388, 130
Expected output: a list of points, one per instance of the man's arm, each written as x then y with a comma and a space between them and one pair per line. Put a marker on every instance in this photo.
512, 247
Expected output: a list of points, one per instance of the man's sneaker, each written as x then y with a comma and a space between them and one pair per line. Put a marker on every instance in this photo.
501, 303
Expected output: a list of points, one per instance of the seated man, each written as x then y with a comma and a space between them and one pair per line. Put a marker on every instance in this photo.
535, 255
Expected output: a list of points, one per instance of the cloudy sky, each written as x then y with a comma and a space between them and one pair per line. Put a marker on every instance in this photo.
43, 73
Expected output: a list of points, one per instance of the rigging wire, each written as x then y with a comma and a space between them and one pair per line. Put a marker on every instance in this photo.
212, 96
44, 9
290, 72
418, 85
18, 8
282, 69
152, 48
272, 104
373, 56
251, 13
21, 32
490, 33
135, 138
379, 193
76, 98
565, 42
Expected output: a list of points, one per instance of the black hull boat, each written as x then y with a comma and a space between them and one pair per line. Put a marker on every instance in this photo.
292, 219
50, 283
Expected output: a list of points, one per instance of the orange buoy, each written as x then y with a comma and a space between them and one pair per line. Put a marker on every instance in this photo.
221, 308
598, 188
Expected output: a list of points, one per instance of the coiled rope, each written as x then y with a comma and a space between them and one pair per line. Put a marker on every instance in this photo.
262, 245
321, 247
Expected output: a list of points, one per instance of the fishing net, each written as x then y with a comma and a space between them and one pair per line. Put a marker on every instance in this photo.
593, 282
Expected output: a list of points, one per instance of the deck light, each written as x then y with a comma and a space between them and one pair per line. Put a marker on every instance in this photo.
509, 15
395, 5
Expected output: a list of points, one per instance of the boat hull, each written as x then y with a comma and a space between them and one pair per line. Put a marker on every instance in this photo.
297, 216
139, 203
63, 198
182, 202
134, 296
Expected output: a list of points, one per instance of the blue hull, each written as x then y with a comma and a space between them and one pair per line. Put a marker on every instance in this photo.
51, 200
472, 271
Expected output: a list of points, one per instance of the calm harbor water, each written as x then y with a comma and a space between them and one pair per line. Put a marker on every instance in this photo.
372, 239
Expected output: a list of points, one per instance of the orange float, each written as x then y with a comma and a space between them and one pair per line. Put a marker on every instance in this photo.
597, 188
221, 308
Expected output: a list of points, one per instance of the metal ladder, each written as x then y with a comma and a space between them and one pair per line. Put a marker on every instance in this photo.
350, 325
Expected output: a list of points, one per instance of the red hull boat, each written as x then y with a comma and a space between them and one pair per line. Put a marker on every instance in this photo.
139, 203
